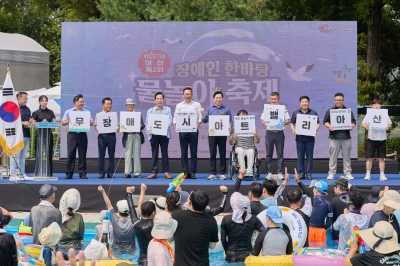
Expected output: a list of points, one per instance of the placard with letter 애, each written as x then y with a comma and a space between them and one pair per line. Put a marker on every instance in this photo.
186, 121
340, 119
377, 119
274, 116
306, 125
130, 121
244, 125
218, 125
79, 121
157, 124
107, 122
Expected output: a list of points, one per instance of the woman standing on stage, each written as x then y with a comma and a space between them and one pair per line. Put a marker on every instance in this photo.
43, 114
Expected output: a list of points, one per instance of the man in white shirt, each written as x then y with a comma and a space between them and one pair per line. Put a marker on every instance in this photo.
275, 137
376, 141
189, 138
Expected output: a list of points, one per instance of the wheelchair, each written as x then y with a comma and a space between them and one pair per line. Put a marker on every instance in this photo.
234, 166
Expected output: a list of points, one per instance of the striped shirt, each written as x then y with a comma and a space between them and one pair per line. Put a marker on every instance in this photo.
246, 143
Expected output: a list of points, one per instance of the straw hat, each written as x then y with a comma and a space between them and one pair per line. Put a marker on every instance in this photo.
164, 226
391, 198
239, 203
49, 236
96, 251
70, 199
382, 238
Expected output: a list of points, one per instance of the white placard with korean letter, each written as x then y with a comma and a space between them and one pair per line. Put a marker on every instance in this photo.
377, 119
340, 119
107, 122
157, 124
130, 121
274, 116
186, 121
79, 121
218, 125
244, 125
306, 125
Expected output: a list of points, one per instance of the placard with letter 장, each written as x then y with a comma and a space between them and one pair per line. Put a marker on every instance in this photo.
107, 122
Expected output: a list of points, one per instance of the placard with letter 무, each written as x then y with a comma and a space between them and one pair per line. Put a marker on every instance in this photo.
244, 125
340, 119
306, 125
107, 122
157, 124
130, 121
79, 121
218, 125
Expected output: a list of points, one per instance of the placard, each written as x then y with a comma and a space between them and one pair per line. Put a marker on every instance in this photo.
130, 121
244, 125
340, 119
79, 121
306, 125
107, 122
377, 119
274, 116
157, 124
186, 121
218, 125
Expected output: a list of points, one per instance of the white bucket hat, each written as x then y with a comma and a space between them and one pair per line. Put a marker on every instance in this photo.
70, 199
164, 226
391, 198
382, 238
49, 236
96, 251
239, 203
160, 202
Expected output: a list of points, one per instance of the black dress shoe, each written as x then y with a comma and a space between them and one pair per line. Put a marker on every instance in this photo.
301, 177
101, 176
137, 176
309, 177
68, 177
192, 176
83, 176
110, 176
127, 176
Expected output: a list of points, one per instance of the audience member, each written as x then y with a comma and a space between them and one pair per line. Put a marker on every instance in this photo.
8, 246
269, 189
368, 209
49, 237
173, 201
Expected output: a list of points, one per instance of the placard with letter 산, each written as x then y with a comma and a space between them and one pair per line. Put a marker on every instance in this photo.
377, 119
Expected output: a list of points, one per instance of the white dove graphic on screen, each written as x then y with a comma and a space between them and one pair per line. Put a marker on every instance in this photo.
298, 75
123, 36
172, 42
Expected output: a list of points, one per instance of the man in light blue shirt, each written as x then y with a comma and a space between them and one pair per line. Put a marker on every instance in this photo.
157, 141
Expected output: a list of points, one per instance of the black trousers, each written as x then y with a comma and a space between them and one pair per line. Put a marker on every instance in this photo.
75, 141
106, 141
213, 142
186, 140
157, 141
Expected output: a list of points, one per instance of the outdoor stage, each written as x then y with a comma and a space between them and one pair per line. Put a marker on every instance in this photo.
23, 195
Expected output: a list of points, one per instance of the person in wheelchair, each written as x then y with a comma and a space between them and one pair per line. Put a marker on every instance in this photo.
245, 146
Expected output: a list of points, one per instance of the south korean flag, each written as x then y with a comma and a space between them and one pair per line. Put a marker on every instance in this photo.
11, 134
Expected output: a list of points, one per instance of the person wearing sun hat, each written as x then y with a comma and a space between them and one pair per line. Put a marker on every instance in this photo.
368, 208
96, 251
159, 252
237, 229
385, 208
49, 237
274, 241
383, 241
73, 225
321, 215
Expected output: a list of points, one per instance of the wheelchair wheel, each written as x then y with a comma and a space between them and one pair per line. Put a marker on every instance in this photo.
256, 175
234, 175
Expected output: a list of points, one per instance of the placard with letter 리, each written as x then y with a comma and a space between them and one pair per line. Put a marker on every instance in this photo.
306, 125
218, 125
157, 124
107, 122
244, 125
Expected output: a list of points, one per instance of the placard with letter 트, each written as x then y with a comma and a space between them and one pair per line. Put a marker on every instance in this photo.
79, 121
274, 116
107, 122
244, 125
377, 118
218, 125
157, 124
130, 121
340, 119
306, 125
186, 121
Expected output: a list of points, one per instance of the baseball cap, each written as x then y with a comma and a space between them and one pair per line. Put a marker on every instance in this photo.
275, 213
374, 196
122, 206
46, 191
341, 182
129, 101
322, 187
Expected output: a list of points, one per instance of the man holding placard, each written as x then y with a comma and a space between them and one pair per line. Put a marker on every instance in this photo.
158, 124
131, 140
377, 122
218, 133
275, 117
187, 119
79, 121
106, 124
340, 121
304, 123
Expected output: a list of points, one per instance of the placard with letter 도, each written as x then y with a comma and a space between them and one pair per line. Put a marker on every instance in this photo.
306, 125
157, 124
79, 121
274, 116
377, 119
244, 125
218, 125
186, 121
130, 121
340, 119
107, 122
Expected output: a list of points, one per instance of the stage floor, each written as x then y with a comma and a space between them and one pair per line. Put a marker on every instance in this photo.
23, 195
